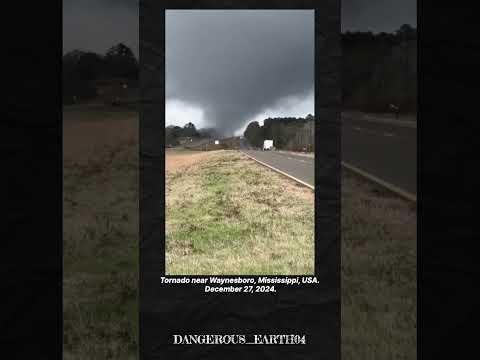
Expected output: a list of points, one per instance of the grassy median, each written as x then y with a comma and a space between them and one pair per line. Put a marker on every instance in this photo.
227, 215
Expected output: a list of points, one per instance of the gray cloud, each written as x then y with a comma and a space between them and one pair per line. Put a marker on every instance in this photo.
233, 64
97, 25
378, 15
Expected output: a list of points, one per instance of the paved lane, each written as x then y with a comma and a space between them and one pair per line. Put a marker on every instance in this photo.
386, 151
300, 167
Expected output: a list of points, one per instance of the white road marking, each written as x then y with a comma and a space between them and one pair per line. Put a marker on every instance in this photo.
388, 134
388, 186
280, 172
297, 159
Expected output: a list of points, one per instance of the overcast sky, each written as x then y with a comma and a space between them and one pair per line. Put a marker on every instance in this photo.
96, 25
248, 65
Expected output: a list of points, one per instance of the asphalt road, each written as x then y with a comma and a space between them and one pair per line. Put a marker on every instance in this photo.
386, 151
301, 167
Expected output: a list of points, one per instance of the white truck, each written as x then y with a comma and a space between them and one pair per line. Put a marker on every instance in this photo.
267, 145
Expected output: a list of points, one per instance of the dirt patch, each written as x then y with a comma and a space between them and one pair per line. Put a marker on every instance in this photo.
175, 159
87, 131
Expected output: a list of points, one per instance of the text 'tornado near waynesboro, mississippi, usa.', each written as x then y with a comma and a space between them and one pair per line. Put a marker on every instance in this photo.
240, 284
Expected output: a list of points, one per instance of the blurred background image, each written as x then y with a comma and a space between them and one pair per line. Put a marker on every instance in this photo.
100, 143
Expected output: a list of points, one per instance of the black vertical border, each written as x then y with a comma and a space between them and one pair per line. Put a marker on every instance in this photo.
163, 308
447, 247
327, 144
31, 258
152, 138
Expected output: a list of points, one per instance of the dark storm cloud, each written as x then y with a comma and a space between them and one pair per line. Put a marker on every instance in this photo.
97, 25
234, 64
378, 15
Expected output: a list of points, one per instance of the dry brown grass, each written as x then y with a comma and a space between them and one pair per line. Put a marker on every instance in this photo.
177, 159
89, 131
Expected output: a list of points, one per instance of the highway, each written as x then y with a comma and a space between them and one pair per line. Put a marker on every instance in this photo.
385, 150
299, 166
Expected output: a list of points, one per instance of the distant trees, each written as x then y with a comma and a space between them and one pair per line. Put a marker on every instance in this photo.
121, 62
81, 69
287, 133
173, 133
189, 130
254, 134
379, 70
90, 66
406, 33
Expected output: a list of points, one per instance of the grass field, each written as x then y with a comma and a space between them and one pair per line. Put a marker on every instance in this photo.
226, 210
379, 277
100, 236
101, 252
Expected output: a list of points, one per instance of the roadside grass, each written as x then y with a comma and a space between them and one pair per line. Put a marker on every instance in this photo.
378, 273
101, 256
227, 216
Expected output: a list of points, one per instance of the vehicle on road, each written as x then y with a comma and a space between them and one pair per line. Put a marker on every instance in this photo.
267, 145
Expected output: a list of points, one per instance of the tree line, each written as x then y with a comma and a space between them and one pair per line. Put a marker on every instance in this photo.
80, 70
288, 133
379, 70
173, 133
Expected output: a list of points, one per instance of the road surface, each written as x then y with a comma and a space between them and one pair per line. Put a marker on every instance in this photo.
298, 166
385, 150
